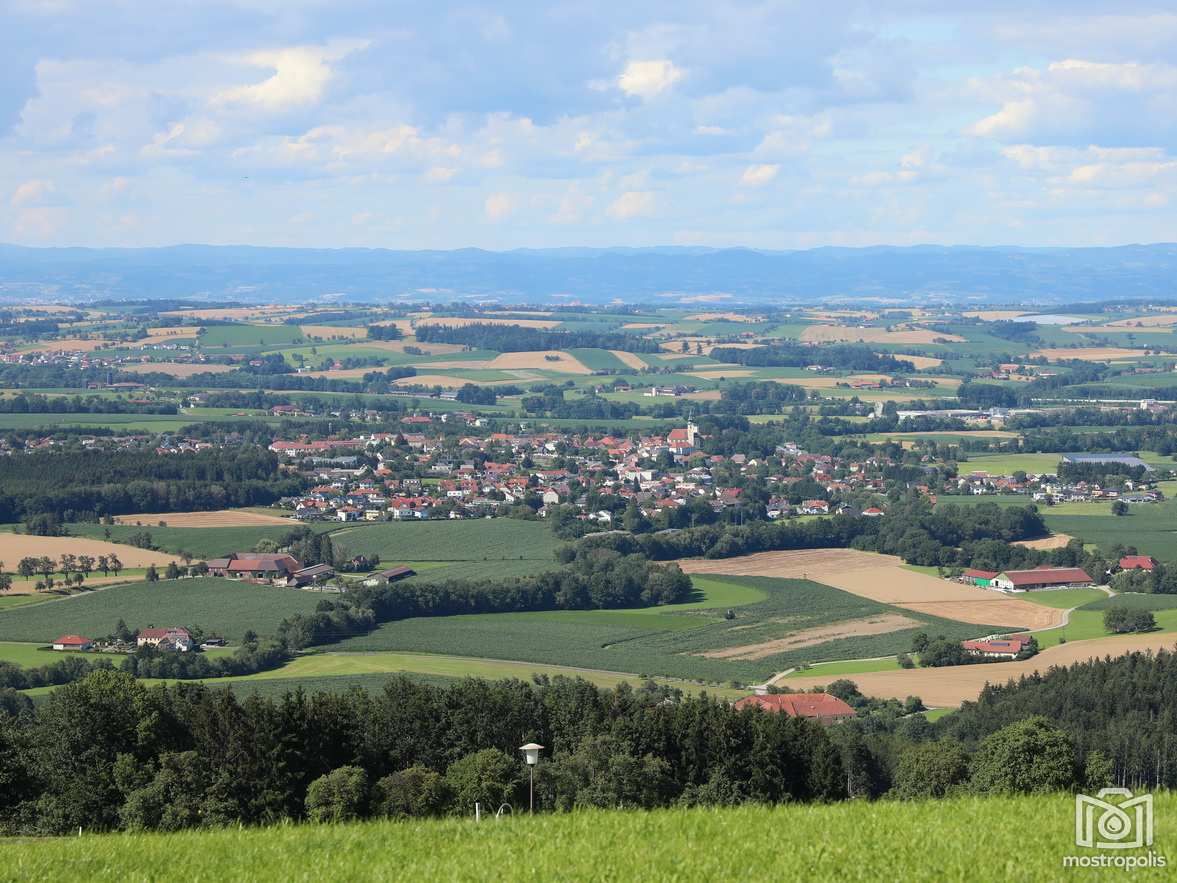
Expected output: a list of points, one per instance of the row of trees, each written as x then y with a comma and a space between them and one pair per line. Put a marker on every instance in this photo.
595, 579
519, 339
105, 752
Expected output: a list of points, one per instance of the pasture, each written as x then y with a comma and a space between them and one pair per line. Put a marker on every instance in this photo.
217, 605
775, 624
482, 539
201, 542
250, 335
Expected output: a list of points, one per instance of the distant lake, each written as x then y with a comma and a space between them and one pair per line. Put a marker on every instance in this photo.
1050, 319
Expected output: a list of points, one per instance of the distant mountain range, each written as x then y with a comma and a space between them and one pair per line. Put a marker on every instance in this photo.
927, 274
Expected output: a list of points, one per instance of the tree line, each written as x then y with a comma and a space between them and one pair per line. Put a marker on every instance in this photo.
789, 354
520, 339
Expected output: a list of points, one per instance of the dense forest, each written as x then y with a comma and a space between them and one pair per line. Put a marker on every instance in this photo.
788, 354
517, 339
83, 486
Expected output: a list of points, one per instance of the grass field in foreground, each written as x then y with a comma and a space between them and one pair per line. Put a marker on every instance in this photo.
216, 605
997, 838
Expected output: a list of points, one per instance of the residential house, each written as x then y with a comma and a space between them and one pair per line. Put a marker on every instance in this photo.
72, 642
821, 707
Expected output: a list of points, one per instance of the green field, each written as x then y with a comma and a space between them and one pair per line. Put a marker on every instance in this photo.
1062, 599
250, 335
482, 539
202, 542
968, 838
1007, 464
216, 605
1151, 528
671, 641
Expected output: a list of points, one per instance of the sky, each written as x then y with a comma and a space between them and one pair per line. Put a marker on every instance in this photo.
409, 125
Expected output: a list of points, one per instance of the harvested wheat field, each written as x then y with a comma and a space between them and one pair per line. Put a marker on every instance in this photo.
542, 360
229, 313
167, 332
429, 349
176, 369
333, 332
920, 362
342, 373
14, 546
68, 345
703, 395
1087, 353
463, 321
870, 625
948, 687
993, 315
1046, 543
883, 578
629, 359
217, 518
642, 326
834, 333
722, 317
1145, 322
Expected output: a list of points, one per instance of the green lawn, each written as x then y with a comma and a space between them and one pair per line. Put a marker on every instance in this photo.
216, 605
33, 655
1086, 624
966, 838
849, 667
1151, 528
8, 602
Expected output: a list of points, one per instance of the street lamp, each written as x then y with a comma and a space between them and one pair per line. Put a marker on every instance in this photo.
531, 755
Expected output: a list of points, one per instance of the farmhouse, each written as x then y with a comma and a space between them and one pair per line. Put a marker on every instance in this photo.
72, 642
1138, 562
166, 639
1041, 578
315, 574
254, 566
816, 706
1007, 647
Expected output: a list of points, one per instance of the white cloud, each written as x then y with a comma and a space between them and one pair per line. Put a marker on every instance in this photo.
1079, 98
759, 175
440, 174
572, 207
633, 204
31, 192
648, 79
498, 206
300, 76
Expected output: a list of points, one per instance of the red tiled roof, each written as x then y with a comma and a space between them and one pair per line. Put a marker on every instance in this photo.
973, 573
72, 640
1131, 562
1046, 575
813, 705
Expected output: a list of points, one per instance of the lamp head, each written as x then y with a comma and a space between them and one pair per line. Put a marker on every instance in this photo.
531, 753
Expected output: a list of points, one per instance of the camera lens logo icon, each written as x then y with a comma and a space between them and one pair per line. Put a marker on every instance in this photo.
1105, 822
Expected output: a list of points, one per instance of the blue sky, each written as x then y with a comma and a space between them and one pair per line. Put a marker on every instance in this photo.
505, 125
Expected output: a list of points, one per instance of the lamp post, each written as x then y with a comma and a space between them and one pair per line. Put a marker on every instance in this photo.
531, 755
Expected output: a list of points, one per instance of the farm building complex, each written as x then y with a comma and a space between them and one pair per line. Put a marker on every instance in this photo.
1041, 578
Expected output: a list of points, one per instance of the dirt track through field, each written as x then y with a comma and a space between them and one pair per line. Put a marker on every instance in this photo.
948, 687
883, 578
870, 625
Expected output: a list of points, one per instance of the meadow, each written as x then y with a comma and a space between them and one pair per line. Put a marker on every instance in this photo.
218, 606
202, 542
1017, 838
692, 641
481, 539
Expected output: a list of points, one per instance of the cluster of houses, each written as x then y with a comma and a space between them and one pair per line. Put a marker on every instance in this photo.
475, 476
175, 639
